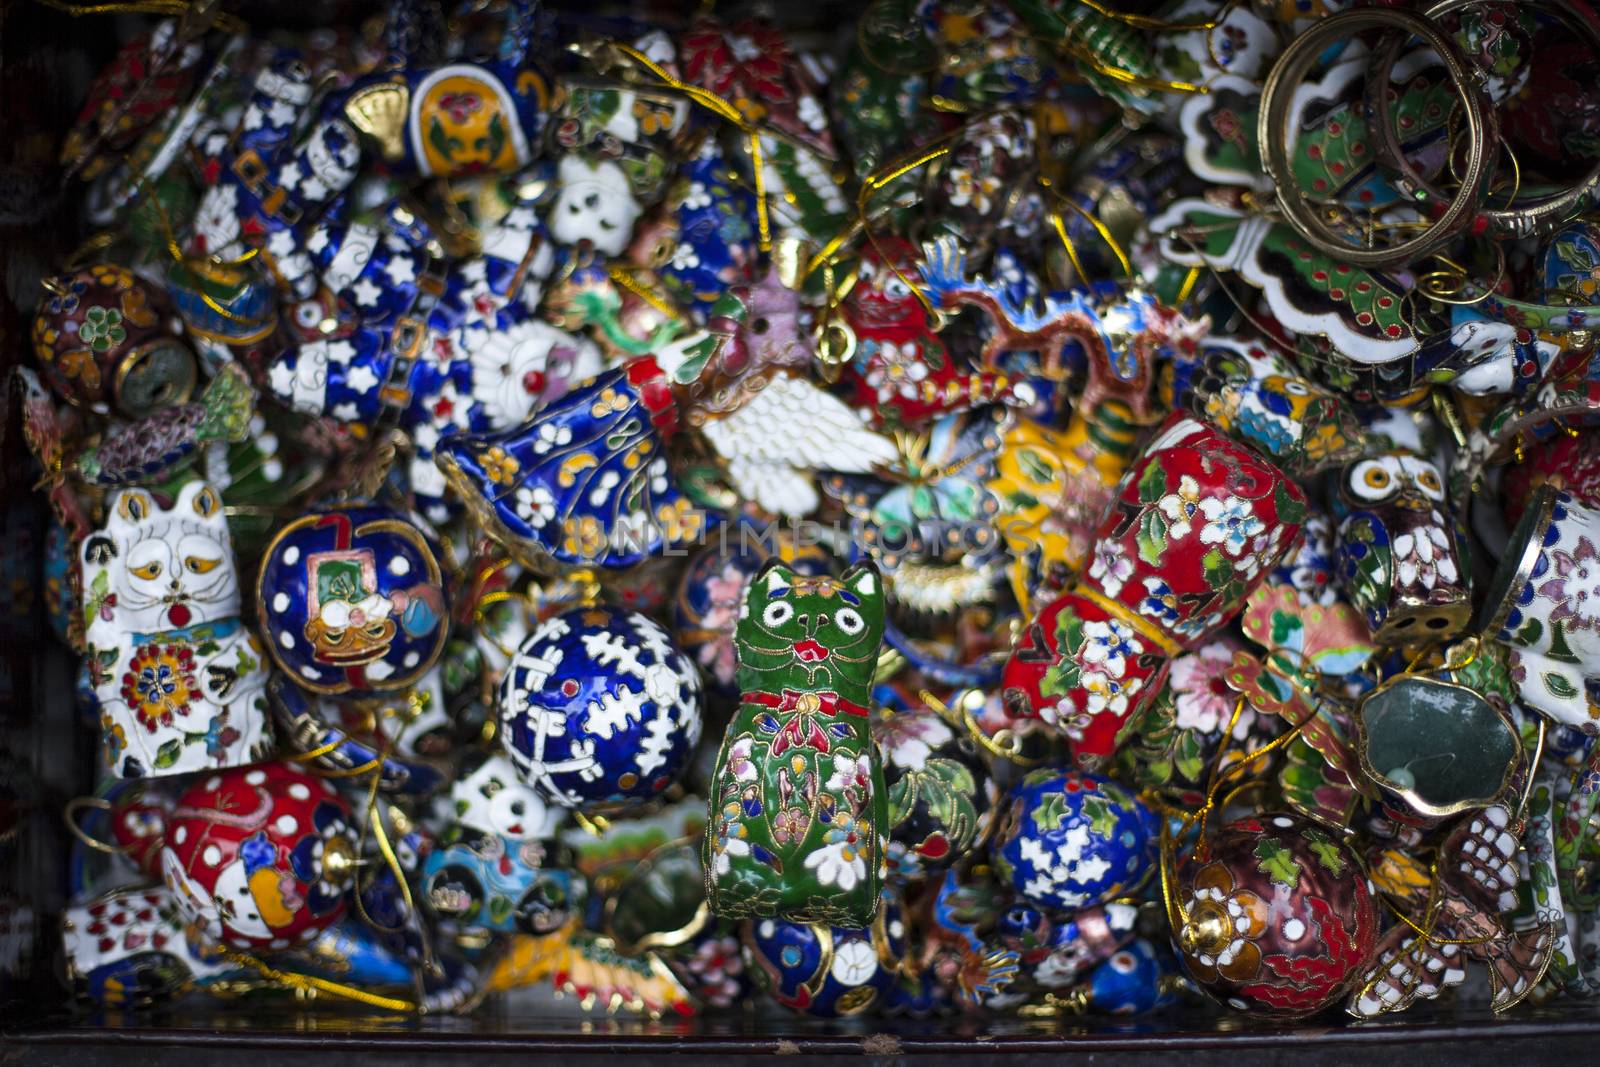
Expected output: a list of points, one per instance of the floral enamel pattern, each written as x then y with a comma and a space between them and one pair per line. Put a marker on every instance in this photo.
1195, 527
1070, 840
259, 858
941, 794
1171, 745
585, 481
1544, 604
104, 341
130, 949
599, 709
179, 678
799, 810
1278, 916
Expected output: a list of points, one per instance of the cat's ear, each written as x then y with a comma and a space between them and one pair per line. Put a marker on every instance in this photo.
203, 499
865, 582
771, 581
133, 506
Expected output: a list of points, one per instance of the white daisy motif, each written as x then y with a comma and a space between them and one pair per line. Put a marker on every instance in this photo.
536, 505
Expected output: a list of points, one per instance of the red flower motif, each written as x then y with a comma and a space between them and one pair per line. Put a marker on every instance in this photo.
461, 106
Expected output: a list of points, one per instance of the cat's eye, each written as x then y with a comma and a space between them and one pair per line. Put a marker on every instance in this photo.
200, 565
491, 787
777, 613
148, 571
849, 620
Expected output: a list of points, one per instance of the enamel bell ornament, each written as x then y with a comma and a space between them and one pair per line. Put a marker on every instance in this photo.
798, 812
179, 678
1195, 527
1274, 914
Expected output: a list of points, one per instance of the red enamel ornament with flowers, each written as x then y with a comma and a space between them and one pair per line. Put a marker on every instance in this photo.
1278, 917
1196, 525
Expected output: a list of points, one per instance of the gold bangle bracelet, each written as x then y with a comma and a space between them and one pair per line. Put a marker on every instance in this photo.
1274, 135
1536, 219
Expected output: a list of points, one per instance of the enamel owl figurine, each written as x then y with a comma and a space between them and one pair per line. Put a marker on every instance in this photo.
1398, 558
798, 809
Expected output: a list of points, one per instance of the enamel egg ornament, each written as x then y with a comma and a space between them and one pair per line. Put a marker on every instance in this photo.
827, 971
599, 710
259, 857
1275, 916
353, 600
1070, 840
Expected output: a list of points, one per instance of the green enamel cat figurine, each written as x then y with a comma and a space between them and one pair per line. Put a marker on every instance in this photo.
798, 810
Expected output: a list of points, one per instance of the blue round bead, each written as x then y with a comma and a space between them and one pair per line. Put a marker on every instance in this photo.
1071, 840
827, 971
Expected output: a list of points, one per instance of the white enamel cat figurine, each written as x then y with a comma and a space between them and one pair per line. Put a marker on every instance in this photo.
180, 679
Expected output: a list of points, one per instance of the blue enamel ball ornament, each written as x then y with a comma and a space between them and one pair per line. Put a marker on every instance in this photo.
599, 709
1070, 840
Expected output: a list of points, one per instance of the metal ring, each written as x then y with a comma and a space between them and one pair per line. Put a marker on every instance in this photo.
1539, 218
1274, 135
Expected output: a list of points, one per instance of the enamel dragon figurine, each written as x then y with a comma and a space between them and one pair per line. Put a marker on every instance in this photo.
798, 815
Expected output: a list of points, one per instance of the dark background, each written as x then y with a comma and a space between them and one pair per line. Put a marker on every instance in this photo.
46, 61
